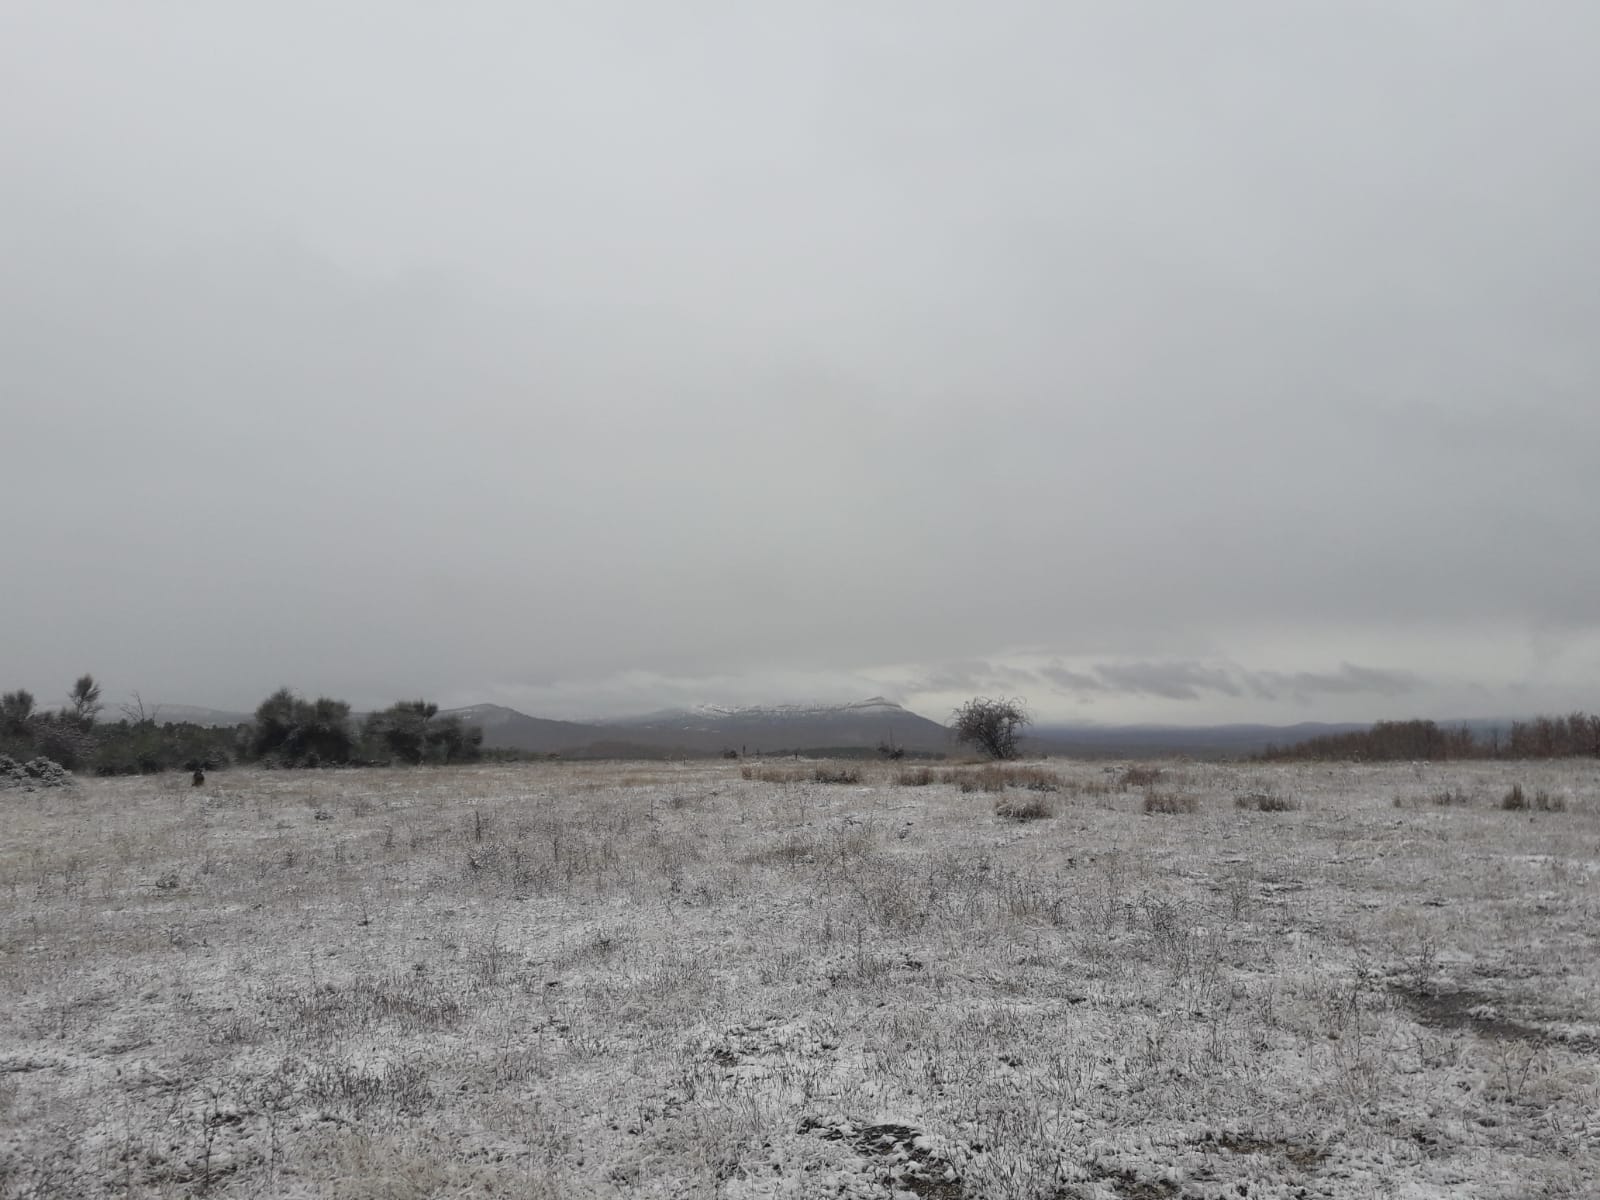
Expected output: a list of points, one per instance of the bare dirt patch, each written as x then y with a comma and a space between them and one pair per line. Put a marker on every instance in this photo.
1479, 1013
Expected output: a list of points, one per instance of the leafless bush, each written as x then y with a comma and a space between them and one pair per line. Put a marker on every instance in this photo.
1515, 800
1170, 802
993, 726
914, 777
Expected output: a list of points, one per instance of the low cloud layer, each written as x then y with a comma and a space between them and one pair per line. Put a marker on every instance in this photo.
1199, 687
1211, 363
1192, 681
1161, 691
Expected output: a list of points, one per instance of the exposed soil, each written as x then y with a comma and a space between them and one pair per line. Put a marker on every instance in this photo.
1466, 1009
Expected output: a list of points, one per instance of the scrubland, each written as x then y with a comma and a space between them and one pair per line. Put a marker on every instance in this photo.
554, 980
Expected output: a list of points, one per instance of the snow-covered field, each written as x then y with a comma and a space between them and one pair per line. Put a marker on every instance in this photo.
555, 980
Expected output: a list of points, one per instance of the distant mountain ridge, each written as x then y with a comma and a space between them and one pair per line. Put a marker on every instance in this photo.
180, 714
507, 729
777, 729
856, 727
875, 706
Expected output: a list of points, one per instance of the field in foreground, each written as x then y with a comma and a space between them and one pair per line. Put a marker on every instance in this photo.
559, 980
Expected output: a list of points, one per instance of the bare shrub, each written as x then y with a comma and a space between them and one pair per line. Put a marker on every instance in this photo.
1545, 802
993, 726
914, 777
1033, 806
1138, 777
1515, 800
1268, 800
1170, 802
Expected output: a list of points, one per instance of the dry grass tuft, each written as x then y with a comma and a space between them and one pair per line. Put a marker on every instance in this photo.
1267, 801
1139, 777
1170, 802
1516, 800
993, 777
914, 777
1031, 806
775, 774
836, 774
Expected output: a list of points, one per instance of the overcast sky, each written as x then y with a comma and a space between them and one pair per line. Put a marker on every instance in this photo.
1150, 361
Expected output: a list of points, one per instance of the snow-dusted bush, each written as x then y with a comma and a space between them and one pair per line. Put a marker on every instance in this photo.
32, 775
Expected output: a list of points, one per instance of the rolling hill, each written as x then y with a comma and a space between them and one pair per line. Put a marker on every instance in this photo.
786, 728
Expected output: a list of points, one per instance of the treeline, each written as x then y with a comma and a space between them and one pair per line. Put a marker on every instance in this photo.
288, 731
1574, 736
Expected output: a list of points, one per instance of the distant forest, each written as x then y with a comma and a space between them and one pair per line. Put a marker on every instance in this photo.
288, 731
1577, 735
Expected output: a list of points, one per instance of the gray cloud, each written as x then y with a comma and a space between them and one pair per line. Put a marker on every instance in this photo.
1347, 680
973, 675
1069, 680
1194, 681
1169, 680
543, 347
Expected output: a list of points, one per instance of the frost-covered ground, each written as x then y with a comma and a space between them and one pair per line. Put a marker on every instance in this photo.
570, 980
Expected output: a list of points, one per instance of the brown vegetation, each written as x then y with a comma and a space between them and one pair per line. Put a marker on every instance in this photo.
1170, 802
1268, 801
1577, 735
1138, 777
